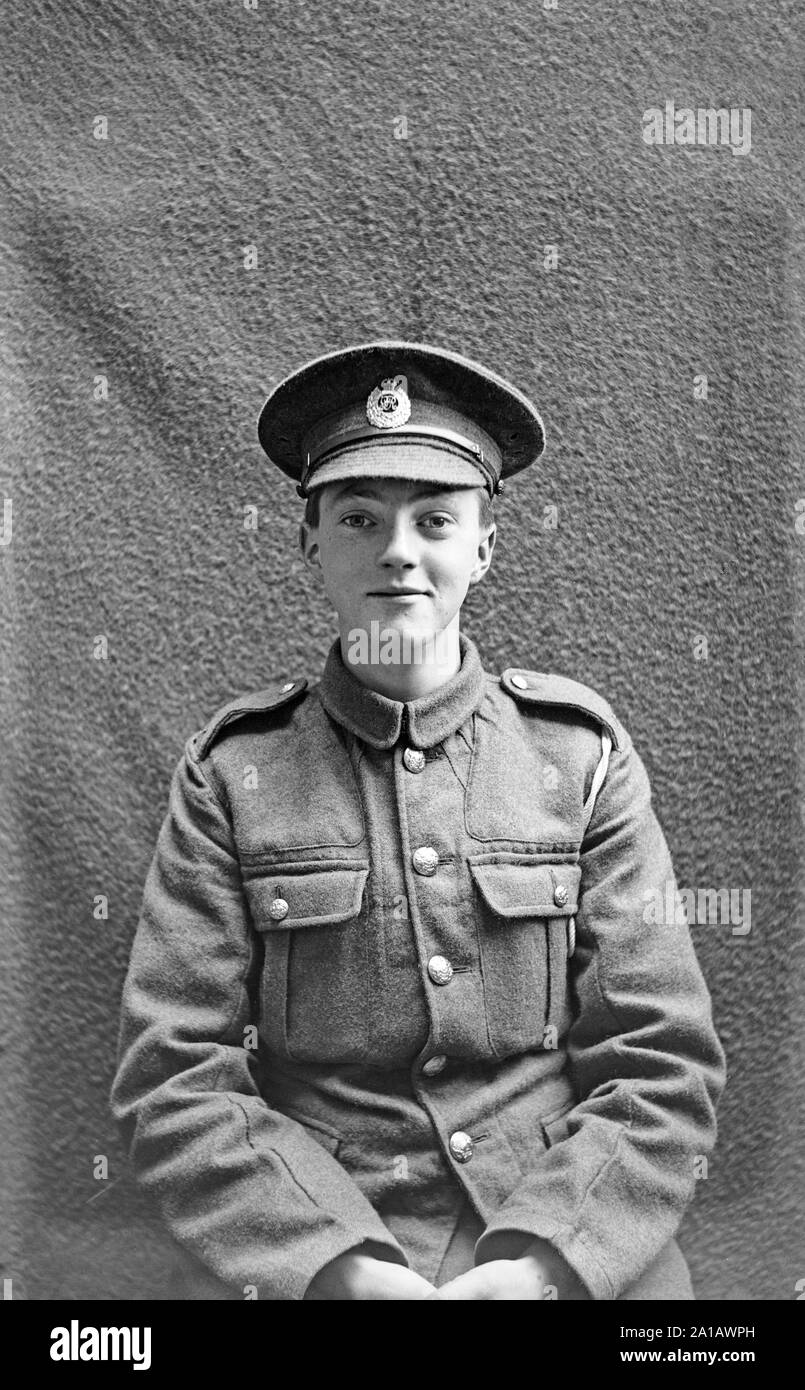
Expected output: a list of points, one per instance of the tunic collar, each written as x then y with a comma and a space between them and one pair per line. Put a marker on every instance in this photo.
423, 722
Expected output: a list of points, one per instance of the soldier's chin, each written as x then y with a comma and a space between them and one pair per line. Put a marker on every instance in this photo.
413, 616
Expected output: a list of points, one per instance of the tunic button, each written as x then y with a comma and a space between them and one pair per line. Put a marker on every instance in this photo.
519, 681
461, 1146
434, 1065
440, 970
560, 895
414, 759
426, 860
278, 909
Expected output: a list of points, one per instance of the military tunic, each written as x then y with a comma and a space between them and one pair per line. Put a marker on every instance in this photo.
393, 967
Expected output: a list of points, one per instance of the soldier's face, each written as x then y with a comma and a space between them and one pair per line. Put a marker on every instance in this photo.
377, 537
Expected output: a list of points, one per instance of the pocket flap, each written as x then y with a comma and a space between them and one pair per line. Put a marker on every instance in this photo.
313, 897
529, 890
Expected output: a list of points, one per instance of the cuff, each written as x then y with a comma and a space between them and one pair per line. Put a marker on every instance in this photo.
509, 1238
379, 1247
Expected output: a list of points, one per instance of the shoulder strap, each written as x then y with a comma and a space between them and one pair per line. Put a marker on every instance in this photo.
544, 688
256, 702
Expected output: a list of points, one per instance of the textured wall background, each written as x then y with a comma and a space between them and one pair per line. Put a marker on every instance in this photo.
123, 257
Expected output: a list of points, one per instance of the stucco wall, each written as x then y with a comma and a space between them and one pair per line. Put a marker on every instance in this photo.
278, 127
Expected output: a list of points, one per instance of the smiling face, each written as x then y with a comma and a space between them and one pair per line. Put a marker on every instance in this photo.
399, 553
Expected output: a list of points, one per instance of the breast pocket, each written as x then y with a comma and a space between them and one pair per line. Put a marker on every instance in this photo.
525, 913
314, 982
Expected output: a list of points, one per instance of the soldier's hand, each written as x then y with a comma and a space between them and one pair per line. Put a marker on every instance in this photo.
539, 1273
359, 1275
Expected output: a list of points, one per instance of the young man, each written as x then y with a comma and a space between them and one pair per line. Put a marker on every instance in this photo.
397, 1024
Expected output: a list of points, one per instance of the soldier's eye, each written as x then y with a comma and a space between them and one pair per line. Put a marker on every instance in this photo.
437, 521
354, 517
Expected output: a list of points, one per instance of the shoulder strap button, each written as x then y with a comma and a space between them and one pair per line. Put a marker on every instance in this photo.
547, 689
256, 702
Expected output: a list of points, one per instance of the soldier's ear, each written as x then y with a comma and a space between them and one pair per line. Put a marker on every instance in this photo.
485, 547
309, 545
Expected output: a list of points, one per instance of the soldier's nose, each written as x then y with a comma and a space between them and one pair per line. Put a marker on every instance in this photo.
399, 550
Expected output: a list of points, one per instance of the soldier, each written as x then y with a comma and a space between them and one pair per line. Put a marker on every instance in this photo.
395, 1024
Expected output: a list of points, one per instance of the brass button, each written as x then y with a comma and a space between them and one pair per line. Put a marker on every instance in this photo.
461, 1146
426, 860
414, 759
434, 1065
560, 895
440, 970
520, 682
278, 909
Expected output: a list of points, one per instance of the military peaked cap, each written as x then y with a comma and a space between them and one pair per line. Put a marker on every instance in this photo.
399, 410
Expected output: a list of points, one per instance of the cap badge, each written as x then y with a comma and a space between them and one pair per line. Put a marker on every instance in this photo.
388, 405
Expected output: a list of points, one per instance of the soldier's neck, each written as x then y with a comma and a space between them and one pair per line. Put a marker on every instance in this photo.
400, 666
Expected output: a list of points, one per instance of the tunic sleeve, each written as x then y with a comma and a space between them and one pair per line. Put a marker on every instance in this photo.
243, 1187
643, 1054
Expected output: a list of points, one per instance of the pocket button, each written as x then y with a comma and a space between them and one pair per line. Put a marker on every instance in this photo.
278, 909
